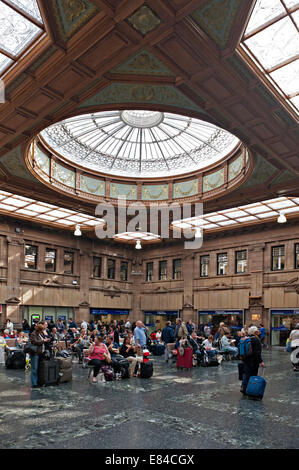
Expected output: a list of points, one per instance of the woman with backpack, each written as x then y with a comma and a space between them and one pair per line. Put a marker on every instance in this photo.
250, 349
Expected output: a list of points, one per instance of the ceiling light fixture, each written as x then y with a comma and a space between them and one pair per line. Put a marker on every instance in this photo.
282, 218
138, 245
198, 233
77, 232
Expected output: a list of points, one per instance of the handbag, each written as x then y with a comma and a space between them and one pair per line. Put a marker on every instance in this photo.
30, 348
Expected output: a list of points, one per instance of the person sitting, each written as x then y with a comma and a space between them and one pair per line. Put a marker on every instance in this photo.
193, 341
80, 342
128, 351
98, 356
21, 340
209, 346
6, 334
226, 345
154, 337
207, 331
158, 336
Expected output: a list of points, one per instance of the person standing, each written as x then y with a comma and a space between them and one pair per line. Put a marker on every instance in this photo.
2, 348
25, 326
263, 335
36, 338
252, 361
128, 324
181, 331
167, 337
9, 326
140, 334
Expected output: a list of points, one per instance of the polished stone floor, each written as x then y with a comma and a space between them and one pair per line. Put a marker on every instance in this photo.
201, 409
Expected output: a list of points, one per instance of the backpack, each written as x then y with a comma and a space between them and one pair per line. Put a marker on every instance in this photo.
245, 347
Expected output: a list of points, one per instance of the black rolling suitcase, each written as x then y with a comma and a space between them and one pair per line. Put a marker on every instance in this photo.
48, 372
146, 370
16, 359
157, 349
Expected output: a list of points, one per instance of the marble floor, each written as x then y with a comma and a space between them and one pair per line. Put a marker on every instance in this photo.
201, 409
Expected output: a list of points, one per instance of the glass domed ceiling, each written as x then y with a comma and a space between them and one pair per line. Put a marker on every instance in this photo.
139, 143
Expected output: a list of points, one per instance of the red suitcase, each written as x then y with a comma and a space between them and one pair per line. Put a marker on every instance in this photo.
185, 360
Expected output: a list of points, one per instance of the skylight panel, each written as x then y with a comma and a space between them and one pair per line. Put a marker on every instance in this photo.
281, 204
75, 218
46, 217
264, 11
25, 212
15, 202
267, 214
4, 62
7, 208
216, 218
291, 209
275, 44
227, 222
211, 226
57, 213
257, 209
65, 222
291, 3
30, 7
287, 77
246, 219
236, 214
37, 208
16, 32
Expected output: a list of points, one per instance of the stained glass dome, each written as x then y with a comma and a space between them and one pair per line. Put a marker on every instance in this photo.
139, 143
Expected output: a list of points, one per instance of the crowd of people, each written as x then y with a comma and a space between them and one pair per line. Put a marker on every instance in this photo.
102, 344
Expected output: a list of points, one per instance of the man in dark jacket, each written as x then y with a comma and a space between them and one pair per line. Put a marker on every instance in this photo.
167, 337
253, 361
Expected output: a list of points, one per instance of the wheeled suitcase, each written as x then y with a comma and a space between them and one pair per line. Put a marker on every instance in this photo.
256, 387
158, 349
48, 372
65, 369
186, 360
16, 359
146, 370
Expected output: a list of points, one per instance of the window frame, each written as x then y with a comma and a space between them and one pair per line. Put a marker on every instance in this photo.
162, 276
236, 262
150, 263
109, 269
35, 256
296, 254
204, 264
55, 260
218, 262
122, 263
96, 265
72, 263
174, 272
272, 257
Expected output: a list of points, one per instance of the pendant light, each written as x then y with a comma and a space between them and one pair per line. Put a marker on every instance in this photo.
77, 232
138, 245
282, 218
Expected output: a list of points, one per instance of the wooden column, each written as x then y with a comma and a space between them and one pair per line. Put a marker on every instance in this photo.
256, 268
15, 260
188, 275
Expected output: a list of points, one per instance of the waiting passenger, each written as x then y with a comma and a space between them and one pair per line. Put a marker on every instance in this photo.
253, 361
99, 356
226, 345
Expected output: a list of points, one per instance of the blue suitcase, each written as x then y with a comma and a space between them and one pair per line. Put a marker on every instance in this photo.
256, 387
